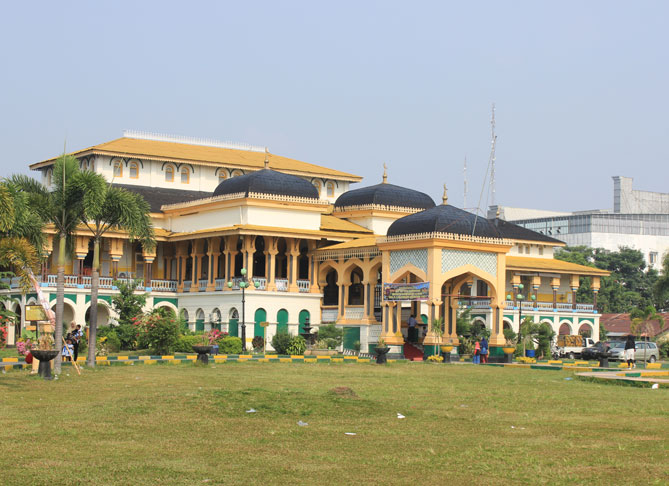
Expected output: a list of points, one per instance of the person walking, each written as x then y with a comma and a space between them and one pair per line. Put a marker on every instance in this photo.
76, 337
484, 350
477, 352
630, 348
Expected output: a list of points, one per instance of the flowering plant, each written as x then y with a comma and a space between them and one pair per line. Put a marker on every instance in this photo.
3, 336
212, 337
101, 346
158, 332
435, 358
23, 347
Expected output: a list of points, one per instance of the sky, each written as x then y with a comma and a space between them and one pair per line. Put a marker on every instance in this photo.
580, 88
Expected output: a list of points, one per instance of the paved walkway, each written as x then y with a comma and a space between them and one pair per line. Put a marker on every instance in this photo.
661, 377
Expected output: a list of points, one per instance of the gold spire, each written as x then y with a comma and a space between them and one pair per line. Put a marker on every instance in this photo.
266, 158
444, 199
385, 173
497, 213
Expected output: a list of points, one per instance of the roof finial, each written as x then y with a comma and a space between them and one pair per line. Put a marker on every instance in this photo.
385, 173
444, 199
266, 158
497, 213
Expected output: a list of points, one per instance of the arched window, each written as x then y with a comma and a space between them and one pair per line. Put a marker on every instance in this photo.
185, 175
134, 170
317, 185
236, 173
222, 176
118, 169
330, 189
169, 174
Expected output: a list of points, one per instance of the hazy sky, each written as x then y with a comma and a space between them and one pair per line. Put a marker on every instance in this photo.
581, 88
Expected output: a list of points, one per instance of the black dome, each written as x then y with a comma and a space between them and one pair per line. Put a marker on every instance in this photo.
444, 219
385, 194
268, 181
449, 219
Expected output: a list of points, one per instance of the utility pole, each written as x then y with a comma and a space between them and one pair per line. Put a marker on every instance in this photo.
464, 193
493, 142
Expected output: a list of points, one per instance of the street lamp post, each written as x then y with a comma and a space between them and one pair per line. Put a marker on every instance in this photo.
520, 298
244, 282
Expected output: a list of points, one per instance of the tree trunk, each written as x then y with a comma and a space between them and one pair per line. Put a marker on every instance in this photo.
93, 322
60, 301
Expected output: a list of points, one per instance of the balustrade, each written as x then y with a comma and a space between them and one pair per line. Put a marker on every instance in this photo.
304, 285
260, 283
220, 283
187, 284
281, 284
354, 313
329, 314
202, 285
163, 285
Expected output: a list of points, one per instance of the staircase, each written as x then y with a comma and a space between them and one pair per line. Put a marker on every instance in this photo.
413, 352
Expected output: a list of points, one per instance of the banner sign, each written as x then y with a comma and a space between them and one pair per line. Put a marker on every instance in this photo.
406, 291
35, 313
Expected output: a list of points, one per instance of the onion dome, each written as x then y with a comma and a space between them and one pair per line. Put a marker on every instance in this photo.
268, 181
449, 219
384, 194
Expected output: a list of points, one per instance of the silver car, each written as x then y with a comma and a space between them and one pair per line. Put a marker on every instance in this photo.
643, 351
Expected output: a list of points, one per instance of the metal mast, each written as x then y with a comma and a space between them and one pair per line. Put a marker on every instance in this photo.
493, 142
464, 193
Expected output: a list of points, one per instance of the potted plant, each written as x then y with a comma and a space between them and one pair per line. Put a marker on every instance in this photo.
438, 330
381, 351
45, 352
205, 346
510, 347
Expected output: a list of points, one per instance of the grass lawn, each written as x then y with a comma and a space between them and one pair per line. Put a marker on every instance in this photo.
187, 425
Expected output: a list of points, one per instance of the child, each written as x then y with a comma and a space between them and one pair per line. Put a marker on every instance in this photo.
68, 349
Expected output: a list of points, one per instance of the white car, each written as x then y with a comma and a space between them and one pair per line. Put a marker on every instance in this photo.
644, 351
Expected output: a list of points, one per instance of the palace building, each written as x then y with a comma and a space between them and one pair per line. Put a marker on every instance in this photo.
313, 249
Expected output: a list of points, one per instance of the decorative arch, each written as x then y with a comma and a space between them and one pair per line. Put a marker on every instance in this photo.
104, 313
199, 320
282, 320
302, 319
167, 305
408, 268
233, 322
585, 329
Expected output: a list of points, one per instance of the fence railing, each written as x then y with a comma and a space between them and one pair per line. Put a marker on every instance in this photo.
303, 285
355, 313
281, 284
329, 314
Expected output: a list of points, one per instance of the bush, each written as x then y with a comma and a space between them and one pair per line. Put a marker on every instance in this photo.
230, 345
297, 345
113, 342
127, 334
281, 341
329, 332
160, 334
185, 343
664, 349
258, 343
329, 343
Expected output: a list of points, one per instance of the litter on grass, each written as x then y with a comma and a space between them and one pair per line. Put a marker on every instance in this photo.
349, 433
302, 424
400, 416
655, 386
568, 378
251, 410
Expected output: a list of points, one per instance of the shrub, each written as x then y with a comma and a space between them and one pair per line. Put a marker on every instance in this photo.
281, 341
297, 345
230, 345
258, 342
113, 342
329, 343
127, 334
330, 332
185, 344
664, 349
159, 333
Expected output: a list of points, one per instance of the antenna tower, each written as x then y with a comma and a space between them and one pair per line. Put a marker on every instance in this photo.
493, 142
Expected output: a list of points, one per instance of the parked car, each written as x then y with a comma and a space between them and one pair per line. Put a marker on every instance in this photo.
594, 352
644, 351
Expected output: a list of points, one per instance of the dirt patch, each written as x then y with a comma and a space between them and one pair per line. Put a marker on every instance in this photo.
343, 392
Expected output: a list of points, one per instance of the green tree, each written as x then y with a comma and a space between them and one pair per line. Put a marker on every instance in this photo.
128, 305
661, 288
107, 208
630, 284
60, 206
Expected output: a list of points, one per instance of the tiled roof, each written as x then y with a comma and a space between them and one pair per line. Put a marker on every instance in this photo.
215, 156
157, 196
385, 195
621, 324
268, 181
332, 223
551, 265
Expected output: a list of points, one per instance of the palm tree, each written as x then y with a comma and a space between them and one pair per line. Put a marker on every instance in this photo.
642, 319
61, 206
109, 208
